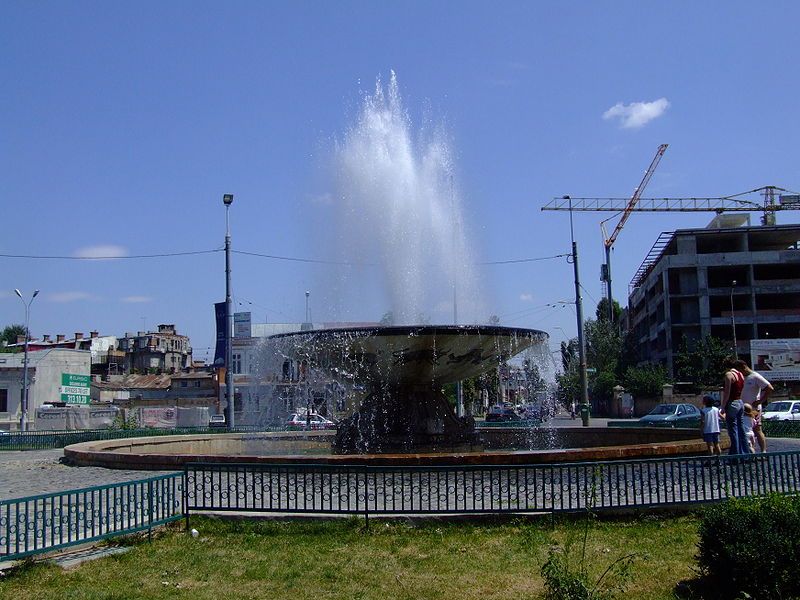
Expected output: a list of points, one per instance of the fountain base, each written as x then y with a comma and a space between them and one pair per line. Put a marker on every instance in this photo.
406, 418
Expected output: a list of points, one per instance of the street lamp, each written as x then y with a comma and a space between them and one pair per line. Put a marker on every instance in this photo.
23, 419
733, 322
584, 386
227, 200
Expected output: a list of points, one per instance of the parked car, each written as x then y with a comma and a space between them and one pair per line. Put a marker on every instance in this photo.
305, 421
783, 410
217, 421
673, 415
498, 414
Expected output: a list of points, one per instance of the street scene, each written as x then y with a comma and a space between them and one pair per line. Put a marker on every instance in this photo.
461, 266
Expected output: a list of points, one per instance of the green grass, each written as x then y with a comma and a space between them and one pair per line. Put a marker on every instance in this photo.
339, 559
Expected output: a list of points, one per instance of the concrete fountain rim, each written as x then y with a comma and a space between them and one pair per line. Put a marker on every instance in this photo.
110, 454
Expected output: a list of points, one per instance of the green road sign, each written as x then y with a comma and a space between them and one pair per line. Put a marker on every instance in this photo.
75, 389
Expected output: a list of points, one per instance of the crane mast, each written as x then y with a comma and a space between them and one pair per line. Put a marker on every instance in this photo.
608, 241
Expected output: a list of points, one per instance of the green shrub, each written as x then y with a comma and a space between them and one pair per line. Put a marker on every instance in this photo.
751, 546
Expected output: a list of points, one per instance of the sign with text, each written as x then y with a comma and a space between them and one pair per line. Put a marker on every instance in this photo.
241, 325
75, 389
778, 359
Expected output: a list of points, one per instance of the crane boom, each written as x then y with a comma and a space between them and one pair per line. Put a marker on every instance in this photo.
637, 194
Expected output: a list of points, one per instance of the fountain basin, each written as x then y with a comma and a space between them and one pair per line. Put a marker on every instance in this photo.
301, 448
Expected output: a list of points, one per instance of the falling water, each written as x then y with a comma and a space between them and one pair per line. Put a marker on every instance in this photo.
400, 209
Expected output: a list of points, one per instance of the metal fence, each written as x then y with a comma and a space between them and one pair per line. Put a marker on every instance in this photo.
550, 488
785, 429
47, 522
48, 440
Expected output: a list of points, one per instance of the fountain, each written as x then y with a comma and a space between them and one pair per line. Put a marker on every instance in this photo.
397, 204
404, 369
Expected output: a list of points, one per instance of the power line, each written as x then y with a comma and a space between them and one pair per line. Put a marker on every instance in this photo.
522, 260
128, 257
304, 260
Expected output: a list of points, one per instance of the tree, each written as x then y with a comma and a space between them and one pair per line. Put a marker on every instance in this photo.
494, 320
387, 318
602, 310
646, 381
10, 333
700, 361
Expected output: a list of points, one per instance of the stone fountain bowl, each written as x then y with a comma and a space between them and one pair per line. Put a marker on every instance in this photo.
408, 355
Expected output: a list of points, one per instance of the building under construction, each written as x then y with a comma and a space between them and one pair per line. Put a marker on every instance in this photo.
737, 283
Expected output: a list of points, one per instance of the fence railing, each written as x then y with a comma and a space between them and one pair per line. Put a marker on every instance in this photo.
48, 440
566, 487
786, 429
48, 522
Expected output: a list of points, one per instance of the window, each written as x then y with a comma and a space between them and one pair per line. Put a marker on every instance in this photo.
3, 400
184, 383
197, 383
237, 363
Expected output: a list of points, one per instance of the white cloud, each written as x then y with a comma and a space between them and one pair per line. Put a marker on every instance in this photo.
63, 297
102, 251
637, 114
136, 299
526, 297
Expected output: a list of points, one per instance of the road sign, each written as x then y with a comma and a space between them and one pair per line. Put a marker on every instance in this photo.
75, 389
591, 370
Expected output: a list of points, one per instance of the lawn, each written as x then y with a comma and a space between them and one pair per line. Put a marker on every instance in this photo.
340, 559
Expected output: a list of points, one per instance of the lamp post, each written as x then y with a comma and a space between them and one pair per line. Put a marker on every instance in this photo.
733, 322
227, 200
23, 419
584, 384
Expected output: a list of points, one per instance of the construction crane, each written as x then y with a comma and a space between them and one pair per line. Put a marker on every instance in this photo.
774, 199
608, 240
718, 204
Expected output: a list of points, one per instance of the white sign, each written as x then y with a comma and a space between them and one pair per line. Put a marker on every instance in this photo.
777, 360
241, 325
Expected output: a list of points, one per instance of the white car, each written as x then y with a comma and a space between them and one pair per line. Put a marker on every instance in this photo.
783, 410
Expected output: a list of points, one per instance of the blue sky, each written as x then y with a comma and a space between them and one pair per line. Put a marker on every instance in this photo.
124, 123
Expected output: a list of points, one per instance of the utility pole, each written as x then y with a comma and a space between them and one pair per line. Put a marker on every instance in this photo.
23, 419
584, 384
230, 417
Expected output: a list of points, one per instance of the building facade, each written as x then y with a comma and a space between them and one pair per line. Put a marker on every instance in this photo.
162, 351
55, 376
735, 283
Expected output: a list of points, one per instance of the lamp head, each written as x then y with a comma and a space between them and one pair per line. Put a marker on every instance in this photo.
35, 293
733, 282
227, 199
17, 292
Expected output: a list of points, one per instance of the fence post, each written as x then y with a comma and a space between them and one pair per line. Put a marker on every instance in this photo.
186, 495
149, 510
366, 497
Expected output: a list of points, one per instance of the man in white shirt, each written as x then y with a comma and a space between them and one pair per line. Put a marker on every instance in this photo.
756, 392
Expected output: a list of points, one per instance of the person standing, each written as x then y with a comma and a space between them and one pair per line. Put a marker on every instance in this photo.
709, 425
756, 393
732, 407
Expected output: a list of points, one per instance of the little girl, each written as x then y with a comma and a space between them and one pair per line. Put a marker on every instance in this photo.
747, 421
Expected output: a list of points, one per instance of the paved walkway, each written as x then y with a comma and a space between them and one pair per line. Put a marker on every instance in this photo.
32, 472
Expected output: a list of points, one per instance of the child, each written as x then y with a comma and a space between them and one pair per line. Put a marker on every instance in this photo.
709, 424
748, 420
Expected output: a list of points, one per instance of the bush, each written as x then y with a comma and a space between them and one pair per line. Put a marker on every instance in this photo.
751, 545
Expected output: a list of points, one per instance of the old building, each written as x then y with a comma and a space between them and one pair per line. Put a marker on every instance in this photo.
162, 351
735, 283
55, 375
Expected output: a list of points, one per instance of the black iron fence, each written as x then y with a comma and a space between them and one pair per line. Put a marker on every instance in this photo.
550, 488
48, 522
